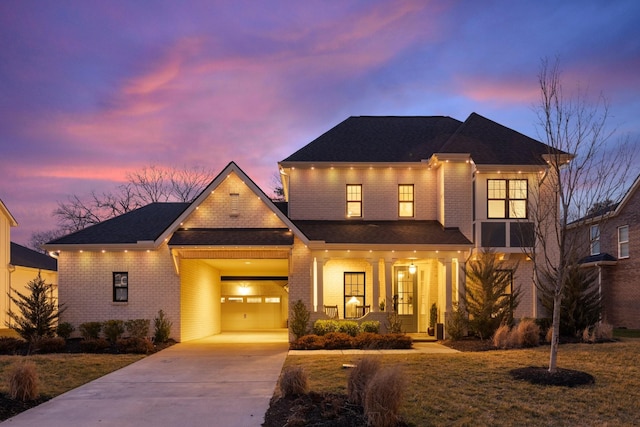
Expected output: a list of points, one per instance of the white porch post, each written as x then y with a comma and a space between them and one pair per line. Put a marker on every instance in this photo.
448, 285
320, 283
376, 285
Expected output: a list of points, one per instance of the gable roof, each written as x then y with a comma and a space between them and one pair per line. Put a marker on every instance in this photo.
232, 237
412, 139
141, 225
25, 257
379, 139
5, 210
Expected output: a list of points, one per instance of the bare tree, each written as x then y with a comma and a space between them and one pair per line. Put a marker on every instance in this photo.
148, 185
585, 167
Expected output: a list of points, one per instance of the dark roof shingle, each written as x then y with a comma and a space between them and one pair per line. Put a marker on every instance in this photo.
144, 224
232, 236
25, 257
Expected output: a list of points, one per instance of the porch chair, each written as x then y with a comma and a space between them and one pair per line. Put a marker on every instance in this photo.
361, 310
331, 311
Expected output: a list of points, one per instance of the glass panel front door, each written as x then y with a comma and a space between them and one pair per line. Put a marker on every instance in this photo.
404, 298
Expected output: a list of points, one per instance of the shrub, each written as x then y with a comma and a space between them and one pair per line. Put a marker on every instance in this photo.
598, 333
359, 377
349, 327
90, 330
64, 330
308, 342
457, 324
113, 330
162, 328
294, 382
94, 345
337, 340
10, 345
23, 381
135, 345
395, 341
394, 324
372, 326
138, 328
299, 319
501, 337
323, 326
528, 333
50, 345
367, 341
383, 397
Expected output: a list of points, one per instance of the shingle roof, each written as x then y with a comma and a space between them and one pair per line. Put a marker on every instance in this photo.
412, 139
379, 139
25, 257
232, 236
491, 143
144, 224
382, 232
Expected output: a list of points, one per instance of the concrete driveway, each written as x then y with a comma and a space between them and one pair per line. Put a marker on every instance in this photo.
224, 380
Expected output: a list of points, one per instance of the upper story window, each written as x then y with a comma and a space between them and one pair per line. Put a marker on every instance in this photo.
507, 198
354, 200
405, 200
594, 239
623, 241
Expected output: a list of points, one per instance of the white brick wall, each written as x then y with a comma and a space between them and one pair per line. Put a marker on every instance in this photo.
199, 299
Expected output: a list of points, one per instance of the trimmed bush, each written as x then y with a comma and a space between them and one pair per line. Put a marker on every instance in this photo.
359, 377
366, 341
23, 381
349, 327
64, 330
162, 328
94, 345
395, 341
135, 345
372, 326
90, 330
337, 340
50, 345
10, 345
322, 326
138, 328
113, 330
383, 397
501, 338
308, 342
294, 382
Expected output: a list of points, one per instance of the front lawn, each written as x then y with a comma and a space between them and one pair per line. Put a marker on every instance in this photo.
475, 388
59, 373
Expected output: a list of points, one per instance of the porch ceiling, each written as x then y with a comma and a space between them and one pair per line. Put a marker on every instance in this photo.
250, 267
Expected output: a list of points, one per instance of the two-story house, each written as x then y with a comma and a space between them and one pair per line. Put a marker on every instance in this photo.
380, 214
611, 246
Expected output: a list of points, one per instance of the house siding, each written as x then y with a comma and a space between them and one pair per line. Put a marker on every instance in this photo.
86, 286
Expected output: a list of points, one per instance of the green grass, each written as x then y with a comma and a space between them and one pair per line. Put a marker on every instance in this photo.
59, 373
476, 388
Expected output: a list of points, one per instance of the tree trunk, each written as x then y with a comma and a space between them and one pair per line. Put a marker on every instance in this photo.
555, 336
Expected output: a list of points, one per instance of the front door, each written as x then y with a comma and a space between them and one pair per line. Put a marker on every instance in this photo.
405, 298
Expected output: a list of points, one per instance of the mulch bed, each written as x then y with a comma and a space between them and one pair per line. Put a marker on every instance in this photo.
561, 377
10, 407
316, 410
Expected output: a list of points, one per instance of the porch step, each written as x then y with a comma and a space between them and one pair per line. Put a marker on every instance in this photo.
422, 337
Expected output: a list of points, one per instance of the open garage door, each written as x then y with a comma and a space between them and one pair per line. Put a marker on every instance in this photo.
253, 304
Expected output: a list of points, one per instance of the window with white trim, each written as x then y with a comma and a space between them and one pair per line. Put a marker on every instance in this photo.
354, 200
405, 201
120, 286
507, 198
594, 239
623, 241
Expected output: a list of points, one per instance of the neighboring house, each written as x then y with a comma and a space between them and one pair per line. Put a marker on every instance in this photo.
20, 266
613, 248
378, 211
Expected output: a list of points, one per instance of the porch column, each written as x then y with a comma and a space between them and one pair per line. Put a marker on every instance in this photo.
388, 284
376, 284
448, 276
320, 281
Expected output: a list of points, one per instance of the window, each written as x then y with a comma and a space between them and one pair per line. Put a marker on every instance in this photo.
354, 200
120, 287
233, 204
405, 200
623, 241
594, 239
353, 293
507, 198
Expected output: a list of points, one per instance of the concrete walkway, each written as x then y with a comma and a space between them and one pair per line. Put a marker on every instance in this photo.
224, 380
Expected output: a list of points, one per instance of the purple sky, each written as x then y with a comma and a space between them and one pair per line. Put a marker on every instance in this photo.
90, 90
